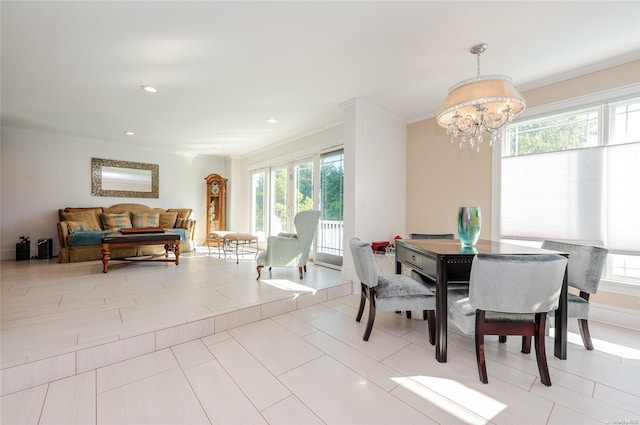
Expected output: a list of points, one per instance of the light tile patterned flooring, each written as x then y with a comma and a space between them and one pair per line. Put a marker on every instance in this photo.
203, 343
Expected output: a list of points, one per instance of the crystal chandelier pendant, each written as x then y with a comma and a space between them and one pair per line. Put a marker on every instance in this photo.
485, 103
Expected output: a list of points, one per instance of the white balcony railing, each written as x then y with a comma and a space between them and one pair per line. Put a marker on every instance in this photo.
330, 237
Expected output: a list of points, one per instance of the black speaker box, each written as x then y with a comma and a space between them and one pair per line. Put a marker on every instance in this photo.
45, 248
23, 251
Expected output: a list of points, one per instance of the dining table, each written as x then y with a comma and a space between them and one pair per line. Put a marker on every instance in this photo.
447, 262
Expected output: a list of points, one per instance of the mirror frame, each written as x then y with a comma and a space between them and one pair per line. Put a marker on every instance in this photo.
96, 178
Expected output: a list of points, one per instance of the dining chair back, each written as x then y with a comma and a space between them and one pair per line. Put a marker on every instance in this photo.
512, 295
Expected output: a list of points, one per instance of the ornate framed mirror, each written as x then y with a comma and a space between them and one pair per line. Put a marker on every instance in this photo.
124, 179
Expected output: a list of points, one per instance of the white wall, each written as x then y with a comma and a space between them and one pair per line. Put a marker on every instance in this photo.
375, 176
43, 172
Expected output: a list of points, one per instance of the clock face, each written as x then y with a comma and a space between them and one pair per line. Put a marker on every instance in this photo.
215, 189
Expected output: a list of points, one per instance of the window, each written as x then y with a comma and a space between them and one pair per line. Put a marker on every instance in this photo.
258, 203
574, 176
280, 191
331, 233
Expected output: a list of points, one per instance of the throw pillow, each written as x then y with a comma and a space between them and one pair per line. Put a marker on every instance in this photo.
86, 217
78, 226
182, 212
116, 221
96, 211
168, 219
182, 223
146, 220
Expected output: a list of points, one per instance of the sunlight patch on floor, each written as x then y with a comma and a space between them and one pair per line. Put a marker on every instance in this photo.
466, 404
604, 346
288, 285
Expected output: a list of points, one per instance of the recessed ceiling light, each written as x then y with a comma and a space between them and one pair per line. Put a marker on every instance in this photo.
129, 133
272, 120
149, 89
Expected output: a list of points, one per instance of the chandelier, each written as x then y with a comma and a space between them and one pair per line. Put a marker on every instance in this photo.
484, 103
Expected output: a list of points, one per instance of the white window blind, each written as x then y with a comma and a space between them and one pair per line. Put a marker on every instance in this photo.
623, 198
557, 195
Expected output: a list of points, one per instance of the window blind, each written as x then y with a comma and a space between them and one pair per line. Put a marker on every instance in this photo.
557, 195
585, 195
623, 198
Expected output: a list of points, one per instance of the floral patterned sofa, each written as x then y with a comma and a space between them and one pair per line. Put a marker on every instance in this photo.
80, 229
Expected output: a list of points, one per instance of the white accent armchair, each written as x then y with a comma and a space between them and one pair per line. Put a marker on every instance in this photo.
291, 249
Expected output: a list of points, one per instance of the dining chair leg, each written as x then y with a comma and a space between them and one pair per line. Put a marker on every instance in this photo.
363, 299
482, 366
502, 338
526, 344
425, 314
372, 314
584, 333
541, 354
431, 317
408, 314
300, 272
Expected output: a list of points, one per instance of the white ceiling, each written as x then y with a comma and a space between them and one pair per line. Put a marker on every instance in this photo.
223, 68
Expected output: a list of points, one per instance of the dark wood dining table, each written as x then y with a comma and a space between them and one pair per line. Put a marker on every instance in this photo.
446, 261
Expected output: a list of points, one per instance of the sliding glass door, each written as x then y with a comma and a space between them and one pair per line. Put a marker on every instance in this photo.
259, 220
282, 191
330, 234
279, 200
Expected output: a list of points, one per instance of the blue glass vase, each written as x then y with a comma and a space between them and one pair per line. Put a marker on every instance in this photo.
469, 223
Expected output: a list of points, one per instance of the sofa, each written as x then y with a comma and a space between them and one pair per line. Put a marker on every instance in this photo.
80, 229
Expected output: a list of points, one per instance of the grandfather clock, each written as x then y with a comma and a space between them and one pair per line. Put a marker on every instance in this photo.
216, 205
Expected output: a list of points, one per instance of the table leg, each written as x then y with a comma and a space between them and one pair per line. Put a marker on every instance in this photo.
106, 256
560, 340
441, 310
176, 252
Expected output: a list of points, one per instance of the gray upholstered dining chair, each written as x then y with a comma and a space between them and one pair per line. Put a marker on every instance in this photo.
512, 295
388, 292
586, 263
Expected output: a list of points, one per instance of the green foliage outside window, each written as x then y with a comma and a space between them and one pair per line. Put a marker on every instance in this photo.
551, 134
332, 178
258, 185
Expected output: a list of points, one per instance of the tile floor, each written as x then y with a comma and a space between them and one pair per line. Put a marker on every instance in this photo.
203, 343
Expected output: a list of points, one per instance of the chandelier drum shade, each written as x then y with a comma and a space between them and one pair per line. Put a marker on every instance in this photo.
485, 103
